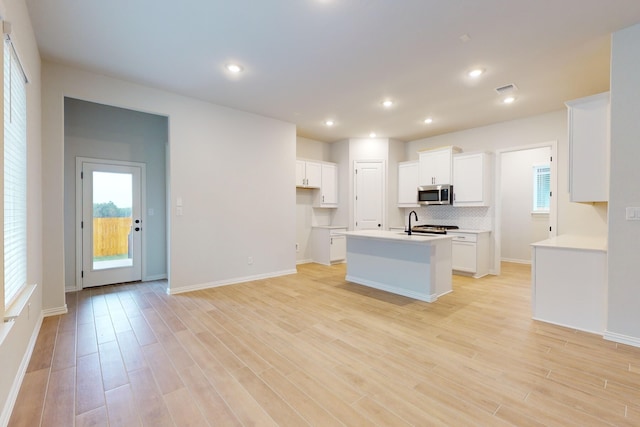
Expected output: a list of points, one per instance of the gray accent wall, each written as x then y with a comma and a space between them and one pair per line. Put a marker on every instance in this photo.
110, 133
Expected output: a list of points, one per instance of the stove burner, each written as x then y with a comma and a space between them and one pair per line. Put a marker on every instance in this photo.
432, 229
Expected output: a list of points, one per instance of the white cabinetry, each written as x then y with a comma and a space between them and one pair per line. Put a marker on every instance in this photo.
322, 175
589, 137
569, 282
436, 165
327, 197
470, 253
308, 174
408, 184
472, 179
328, 244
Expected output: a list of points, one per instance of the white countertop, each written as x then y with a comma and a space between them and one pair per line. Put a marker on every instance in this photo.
571, 241
397, 235
329, 227
467, 230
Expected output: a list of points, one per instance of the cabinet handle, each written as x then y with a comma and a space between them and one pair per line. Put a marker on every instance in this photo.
323, 199
331, 240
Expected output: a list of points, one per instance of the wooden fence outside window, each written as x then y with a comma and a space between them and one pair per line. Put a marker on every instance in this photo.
111, 236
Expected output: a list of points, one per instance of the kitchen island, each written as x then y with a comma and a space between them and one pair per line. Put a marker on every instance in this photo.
416, 266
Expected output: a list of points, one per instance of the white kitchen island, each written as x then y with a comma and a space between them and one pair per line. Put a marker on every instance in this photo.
416, 266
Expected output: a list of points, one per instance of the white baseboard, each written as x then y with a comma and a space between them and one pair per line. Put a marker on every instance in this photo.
304, 261
516, 261
55, 311
68, 289
154, 278
229, 282
622, 339
17, 381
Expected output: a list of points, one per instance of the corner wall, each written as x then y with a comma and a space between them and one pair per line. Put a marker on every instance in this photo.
623, 317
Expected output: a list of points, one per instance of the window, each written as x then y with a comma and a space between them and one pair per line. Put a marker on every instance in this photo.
541, 188
15, 175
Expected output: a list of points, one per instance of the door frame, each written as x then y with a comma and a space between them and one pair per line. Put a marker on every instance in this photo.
143, 211
354, 184
553, 208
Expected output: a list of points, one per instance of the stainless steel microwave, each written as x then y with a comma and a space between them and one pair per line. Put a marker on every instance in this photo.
435, 194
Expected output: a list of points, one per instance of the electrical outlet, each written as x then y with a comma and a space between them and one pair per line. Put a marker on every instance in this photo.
250, 260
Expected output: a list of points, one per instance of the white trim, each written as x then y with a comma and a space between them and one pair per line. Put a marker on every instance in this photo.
68, 289
17, 381
517, 261
622, 339
553, 209
567, 326
55, 311
154, 278
304, 261
216, 284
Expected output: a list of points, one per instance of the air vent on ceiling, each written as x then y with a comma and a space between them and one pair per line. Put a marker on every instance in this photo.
503, 90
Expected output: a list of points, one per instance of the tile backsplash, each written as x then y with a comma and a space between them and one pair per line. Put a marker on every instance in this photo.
473, 218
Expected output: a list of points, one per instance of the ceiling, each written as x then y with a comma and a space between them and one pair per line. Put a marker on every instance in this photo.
306, 61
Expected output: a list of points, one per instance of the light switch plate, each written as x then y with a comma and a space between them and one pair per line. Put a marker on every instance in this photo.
633, 214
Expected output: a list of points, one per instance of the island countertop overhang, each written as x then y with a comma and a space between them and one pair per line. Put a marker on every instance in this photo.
398, 236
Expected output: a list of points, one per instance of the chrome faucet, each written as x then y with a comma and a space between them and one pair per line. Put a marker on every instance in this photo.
416, 215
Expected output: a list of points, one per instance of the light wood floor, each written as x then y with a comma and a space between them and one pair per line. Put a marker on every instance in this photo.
312, 349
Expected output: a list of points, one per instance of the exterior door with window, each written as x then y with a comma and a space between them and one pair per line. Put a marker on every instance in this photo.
111, 225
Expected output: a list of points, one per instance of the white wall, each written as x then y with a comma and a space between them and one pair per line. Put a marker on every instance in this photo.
624, 236
573, 218
104, 132
20, 334
519, 228
312, 149
234, 171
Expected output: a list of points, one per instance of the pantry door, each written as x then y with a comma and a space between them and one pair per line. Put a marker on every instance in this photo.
369, 195
111, 223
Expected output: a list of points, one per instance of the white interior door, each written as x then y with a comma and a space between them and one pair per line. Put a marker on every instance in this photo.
111, 224
369, 195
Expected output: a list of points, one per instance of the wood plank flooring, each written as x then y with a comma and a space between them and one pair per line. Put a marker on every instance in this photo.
313, 349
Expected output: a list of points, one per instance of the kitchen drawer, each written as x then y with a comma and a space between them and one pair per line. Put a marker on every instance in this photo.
463, 237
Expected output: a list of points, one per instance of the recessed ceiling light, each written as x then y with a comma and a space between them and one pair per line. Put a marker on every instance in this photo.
329, 123
387, 103
428, 120
372, 135
509, 99
476, 73
234, 68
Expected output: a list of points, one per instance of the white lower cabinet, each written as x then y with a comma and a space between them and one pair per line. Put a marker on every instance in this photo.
470, 253
328, 244
569, 282
337, 248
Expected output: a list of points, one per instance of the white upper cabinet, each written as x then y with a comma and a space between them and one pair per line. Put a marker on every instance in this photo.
308, 174
328, 195
589, 136
435, 166
472, 179
408, 184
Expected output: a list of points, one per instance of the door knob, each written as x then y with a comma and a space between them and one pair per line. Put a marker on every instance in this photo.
137, 228
137, 221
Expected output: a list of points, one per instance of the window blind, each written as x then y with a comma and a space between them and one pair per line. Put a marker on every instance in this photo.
541, 188
15, 175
